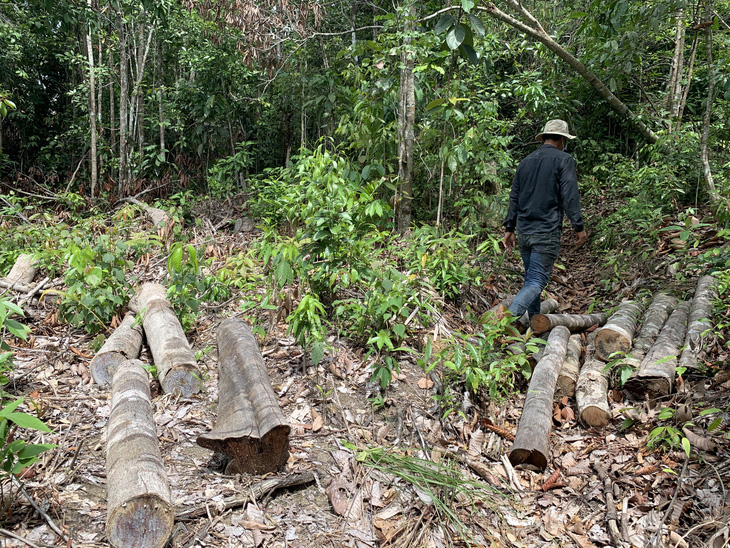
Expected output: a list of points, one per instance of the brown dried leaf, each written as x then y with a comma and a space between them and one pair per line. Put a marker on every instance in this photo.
700, 442
646, 470
339, 492
475, 444
425, 383
579, 469
317, 421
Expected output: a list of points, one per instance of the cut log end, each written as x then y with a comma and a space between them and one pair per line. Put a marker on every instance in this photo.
251, 455
104, 365
595, 416
540, 323
528, 457
608, 341
183, 380
146, 520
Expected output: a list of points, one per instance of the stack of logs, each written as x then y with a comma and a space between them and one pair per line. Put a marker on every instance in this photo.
671, 335
251, 429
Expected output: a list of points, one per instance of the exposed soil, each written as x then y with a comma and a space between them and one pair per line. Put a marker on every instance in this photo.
650, 492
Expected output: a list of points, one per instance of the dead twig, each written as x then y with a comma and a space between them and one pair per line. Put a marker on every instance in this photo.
45, 516
16, 537
654, 541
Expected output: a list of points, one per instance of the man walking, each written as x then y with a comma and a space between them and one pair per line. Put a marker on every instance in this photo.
544, 187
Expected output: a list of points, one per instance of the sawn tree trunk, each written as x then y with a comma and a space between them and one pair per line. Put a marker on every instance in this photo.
124, 344
617, 334
574, 322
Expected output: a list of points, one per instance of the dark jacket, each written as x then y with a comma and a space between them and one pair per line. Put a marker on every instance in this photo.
545, 186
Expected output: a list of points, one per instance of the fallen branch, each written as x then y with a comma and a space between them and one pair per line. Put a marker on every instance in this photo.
655, 317
570, 369
617, 334
124, 344
45, 516
591, 391
698, 321
254, 493
574, 322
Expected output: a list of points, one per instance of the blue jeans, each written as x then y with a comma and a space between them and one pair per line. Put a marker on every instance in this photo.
539, 252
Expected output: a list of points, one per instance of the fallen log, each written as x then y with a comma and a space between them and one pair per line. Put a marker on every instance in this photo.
617, 334
574, 322
546, 307
22, 272
175, 361
697, 324
591, 390
156, 215
655, 376
138, 493
250, 427
531, 445
654, 319
570, 369
124, 344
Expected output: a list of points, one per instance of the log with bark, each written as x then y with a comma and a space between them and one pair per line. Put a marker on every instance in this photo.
546, 307
139, 509
124, 344
570, 369
250, 427
531, 445
22, 273
654, 319
655, 376
698, 322
617, 334
591, 390
574, 322
158, 217
174, 359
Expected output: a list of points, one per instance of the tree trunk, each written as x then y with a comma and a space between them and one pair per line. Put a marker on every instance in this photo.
123, 107
124, 344
674, 86
112, 113
575, 322
699, 321
685, 94
532, 443
139, 509
22, 272
535, 30
568, 375
617, 334
175, 361
705, 139
406, 122
655, 376
250, 427
591, 390
92, 109
654, 319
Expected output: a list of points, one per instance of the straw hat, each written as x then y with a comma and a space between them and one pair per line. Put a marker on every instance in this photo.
555, 127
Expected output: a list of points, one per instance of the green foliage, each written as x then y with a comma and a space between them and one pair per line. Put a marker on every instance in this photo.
97, 283
227, 173
307, 325
15, 328
667, 436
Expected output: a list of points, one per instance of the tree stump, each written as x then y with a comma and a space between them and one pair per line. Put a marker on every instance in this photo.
250, 427
570, 369
22, 273
655, 376
591, 390
654, 319
531, 445
139, 510
617, 334
175, 361
698, 321
124, 344
574, 322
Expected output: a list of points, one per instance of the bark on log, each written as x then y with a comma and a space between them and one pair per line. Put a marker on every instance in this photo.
655, 376
175, 361
570, 369
617, 334
699, 314
546, 307
574, 322
250, 427
531, 445
591, 390
139, 509
156, 215
654, 319
22, 273
124, 344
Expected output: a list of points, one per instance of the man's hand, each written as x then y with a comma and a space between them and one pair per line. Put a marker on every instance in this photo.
580, 238
509, 240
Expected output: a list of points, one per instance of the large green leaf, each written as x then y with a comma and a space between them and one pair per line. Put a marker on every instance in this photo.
455, 37
27, 421
433, 104
444, 23
469, 54
467, 5
476, 24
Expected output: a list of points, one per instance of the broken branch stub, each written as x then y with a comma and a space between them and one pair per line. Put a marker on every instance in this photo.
698, 321
250, 427
124, 344
174, 359
139, 509
532, 444
574, 322
617, 334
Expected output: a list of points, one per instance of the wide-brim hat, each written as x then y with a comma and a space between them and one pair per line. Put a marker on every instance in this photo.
555, 127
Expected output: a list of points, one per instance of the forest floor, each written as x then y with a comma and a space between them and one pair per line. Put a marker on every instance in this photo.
364, 498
